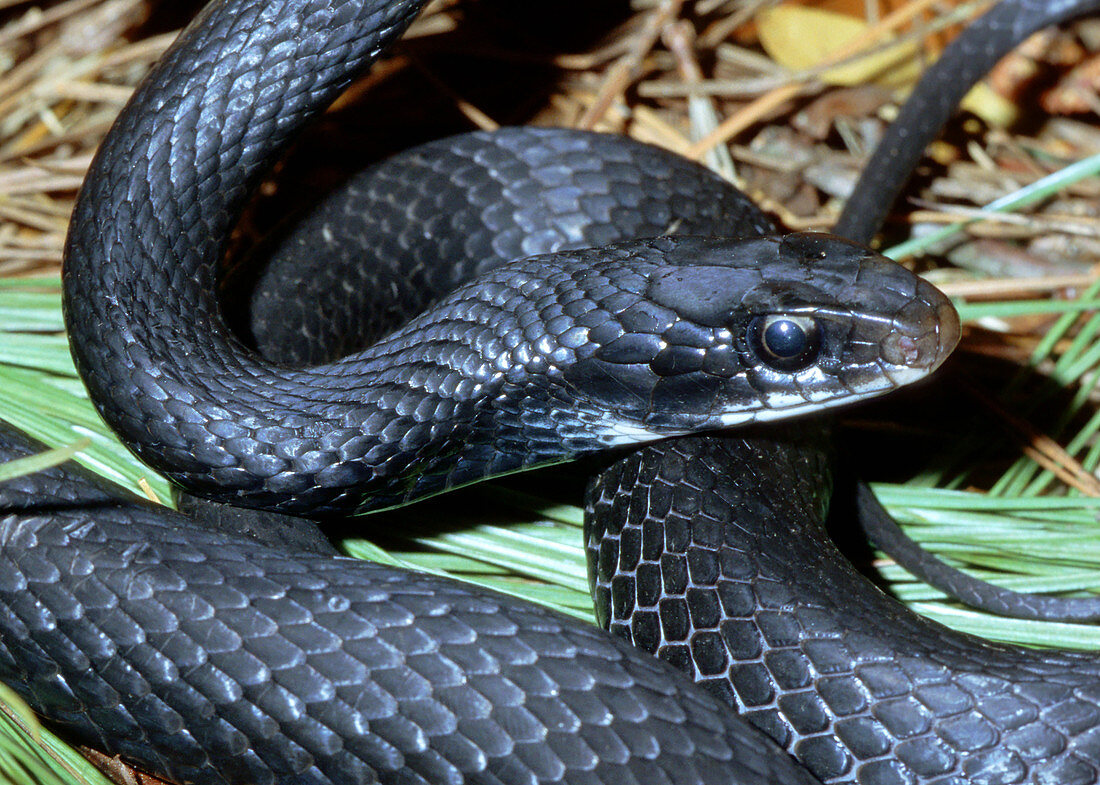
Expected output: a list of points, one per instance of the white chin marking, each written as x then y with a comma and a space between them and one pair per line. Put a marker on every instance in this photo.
779, 407
617, 434
903, 375
783, 406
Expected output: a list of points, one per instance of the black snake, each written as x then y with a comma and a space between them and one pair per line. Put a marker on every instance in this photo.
206, 657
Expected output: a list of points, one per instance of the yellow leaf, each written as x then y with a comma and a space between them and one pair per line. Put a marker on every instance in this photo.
996, 110
800, 38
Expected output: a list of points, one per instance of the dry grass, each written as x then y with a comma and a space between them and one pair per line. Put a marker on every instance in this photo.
687, 76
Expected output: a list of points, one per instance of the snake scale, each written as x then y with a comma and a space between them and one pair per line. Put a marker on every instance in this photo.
207, 657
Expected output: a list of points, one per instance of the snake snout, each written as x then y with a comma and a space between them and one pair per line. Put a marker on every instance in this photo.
925, 331
949, 328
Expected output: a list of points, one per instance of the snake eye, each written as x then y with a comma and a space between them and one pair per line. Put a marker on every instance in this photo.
785, 343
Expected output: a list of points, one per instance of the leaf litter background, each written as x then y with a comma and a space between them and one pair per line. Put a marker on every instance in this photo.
993, 465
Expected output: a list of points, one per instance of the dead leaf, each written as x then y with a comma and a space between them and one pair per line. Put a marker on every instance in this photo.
801, 38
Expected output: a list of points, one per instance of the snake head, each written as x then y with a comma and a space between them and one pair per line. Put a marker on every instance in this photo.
730, 331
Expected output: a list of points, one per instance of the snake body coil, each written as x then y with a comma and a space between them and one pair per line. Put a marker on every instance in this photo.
208, 658
211, 659
765, 611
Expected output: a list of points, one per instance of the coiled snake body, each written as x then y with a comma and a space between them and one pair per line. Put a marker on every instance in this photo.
209, 658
